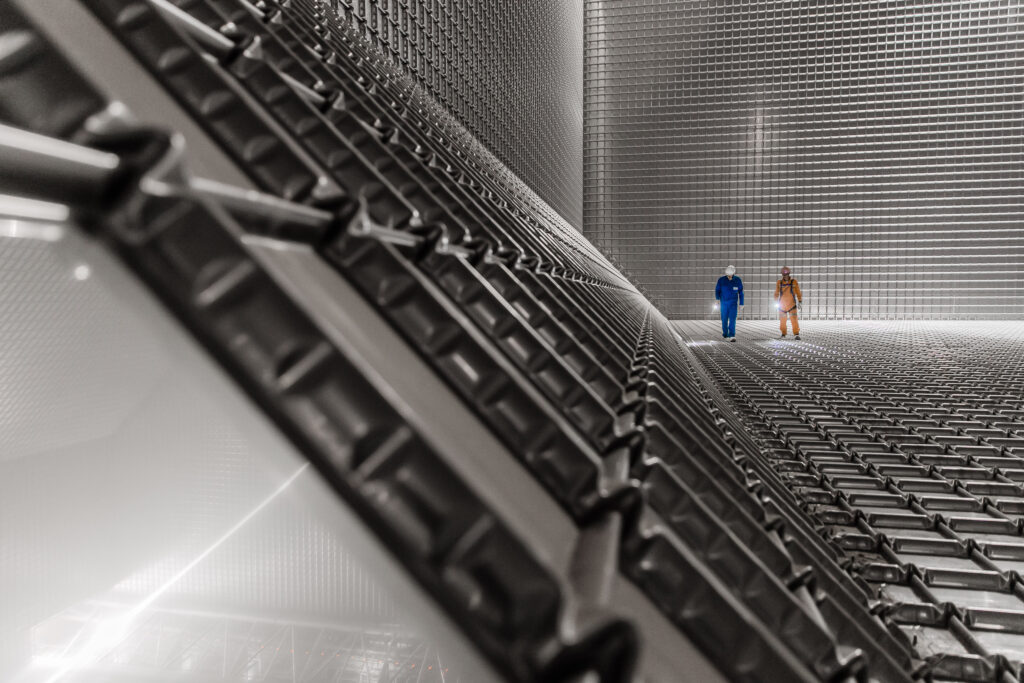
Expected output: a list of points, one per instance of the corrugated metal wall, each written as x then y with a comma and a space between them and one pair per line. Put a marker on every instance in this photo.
509, 70
876, 147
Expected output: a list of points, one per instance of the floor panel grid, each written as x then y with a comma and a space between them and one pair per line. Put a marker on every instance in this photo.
905, 443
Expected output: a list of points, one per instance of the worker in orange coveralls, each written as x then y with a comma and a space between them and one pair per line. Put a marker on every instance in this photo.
787, 300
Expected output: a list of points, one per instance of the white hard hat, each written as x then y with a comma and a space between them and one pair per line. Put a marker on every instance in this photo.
730, 270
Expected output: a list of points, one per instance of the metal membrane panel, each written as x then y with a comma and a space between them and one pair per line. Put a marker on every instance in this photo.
486, 394
905, 441
875, 147
154, 525
511, 72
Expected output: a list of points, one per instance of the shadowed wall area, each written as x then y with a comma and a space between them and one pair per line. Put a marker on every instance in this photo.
875, 147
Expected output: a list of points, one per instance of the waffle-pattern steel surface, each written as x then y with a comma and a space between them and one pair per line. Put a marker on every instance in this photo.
873, 146
666, 544
508, 70
905, 442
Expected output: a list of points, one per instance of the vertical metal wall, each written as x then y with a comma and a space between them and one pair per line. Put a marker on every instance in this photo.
877, 147
509, 70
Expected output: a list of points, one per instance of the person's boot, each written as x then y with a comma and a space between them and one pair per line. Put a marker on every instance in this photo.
796, 336
732, 339
783, 336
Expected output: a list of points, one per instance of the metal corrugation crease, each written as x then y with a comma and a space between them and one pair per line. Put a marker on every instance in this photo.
875, 147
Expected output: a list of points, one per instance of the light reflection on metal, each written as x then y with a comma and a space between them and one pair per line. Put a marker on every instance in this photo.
229, 646
33, 209
110, 632
31, 219
127, 458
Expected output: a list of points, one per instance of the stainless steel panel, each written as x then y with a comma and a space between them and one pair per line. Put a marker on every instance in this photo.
868, 378
877, 148
153, 524
509, 71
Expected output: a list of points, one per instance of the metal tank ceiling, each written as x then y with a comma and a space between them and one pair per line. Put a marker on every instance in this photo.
510, 71
875, 147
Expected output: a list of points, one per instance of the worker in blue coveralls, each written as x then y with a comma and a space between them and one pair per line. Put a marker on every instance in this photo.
729, 294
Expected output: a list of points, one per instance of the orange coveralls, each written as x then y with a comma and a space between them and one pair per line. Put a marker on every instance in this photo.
787, 295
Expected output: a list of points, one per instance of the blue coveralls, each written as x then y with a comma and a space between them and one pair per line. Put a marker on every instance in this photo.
730, 294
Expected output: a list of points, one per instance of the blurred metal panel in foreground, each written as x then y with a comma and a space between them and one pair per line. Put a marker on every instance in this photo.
155, 526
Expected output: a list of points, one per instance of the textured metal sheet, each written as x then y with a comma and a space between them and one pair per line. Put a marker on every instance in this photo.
144, 500
583, 384
929, 516
875, 147
509, 71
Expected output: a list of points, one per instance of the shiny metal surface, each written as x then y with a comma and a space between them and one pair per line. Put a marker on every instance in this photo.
905, 441
534, 441
153, 524
509, 71
875, 147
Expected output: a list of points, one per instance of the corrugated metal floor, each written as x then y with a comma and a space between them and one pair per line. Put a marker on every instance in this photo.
905, 441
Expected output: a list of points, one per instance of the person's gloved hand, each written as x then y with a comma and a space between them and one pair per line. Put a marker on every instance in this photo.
798, 305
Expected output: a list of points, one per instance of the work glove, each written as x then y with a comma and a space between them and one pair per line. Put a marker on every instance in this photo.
798, 305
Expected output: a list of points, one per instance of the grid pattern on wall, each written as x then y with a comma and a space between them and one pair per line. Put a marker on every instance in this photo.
508, 70
875, 147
